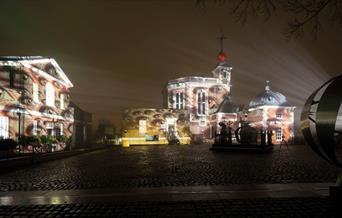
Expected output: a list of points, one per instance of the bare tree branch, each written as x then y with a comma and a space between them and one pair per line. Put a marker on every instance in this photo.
306, 13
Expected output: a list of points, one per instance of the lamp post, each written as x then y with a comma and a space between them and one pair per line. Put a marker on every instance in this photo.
19, 111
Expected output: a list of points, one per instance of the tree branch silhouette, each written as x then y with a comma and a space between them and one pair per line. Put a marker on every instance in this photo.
305, 14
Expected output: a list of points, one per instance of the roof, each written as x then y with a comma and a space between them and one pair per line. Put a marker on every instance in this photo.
37, 64
18, 58
269, 98
227, 106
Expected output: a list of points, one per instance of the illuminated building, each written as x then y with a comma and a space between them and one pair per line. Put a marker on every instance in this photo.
202, 97
154, 126
205, 102
34, 98
270, 110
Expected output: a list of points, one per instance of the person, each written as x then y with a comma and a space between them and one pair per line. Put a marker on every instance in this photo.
223, 133
283, 142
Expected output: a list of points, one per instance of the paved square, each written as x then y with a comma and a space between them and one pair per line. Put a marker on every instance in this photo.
165, 166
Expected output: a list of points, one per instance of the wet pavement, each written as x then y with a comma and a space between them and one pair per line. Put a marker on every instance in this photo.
169, 166
268, 207
172, 181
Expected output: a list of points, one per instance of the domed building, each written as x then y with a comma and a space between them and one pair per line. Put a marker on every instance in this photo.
202, 103
270, 110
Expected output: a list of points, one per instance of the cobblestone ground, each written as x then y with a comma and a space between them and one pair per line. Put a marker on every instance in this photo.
160, 166
288, 207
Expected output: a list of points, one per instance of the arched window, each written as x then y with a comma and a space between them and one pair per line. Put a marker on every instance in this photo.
179, 100
50, 94
201, 103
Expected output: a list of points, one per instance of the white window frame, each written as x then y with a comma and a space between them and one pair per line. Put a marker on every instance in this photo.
61, 128
61, 101
279, 134
35, 127
4, 127
49, 94
179, 100
35, 92
201, 96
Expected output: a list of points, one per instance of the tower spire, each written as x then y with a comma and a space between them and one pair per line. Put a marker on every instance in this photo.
221, 56
221, 38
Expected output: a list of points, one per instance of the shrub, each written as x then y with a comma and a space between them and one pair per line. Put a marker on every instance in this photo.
48, 139
63, 139
29, 140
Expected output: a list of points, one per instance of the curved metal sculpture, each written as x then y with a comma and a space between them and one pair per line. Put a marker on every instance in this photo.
321, 121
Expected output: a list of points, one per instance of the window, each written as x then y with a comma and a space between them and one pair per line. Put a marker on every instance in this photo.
61, 128
12, 79
3, 127
35, 92
142, 127
58, 130
35, 127
279, 134
179, 100
62, 101
50, 95
16, 79
50, 128
224, 74
279, 115
201, 103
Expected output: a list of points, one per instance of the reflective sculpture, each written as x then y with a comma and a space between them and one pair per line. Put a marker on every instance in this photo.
321, 121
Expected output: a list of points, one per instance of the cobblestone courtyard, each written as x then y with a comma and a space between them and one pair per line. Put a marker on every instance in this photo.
290, 207
161, 166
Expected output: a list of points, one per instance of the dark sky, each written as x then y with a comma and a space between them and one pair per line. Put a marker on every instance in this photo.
120, 54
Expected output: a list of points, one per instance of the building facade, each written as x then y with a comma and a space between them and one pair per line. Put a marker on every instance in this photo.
270, 110
155, 126
207, 101
202, 97
34, 98
82, 126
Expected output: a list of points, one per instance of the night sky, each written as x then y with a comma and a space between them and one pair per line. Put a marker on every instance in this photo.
120, 54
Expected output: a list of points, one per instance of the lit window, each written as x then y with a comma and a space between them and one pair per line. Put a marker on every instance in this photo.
62, 101
179, 101
142, 127
279, 134
35, 92
35, 127
50, 94
181, 106
201, 103
279, 115
3, 127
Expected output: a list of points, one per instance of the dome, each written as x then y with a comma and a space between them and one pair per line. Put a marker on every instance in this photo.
227, 106
270, 98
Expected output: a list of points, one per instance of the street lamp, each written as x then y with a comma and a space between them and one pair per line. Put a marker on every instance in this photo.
19, 111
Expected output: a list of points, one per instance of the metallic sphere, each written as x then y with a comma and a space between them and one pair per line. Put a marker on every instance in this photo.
321, 121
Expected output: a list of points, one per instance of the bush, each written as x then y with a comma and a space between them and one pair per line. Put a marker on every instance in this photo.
63, 139
48, 139
7, 144
29, 140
